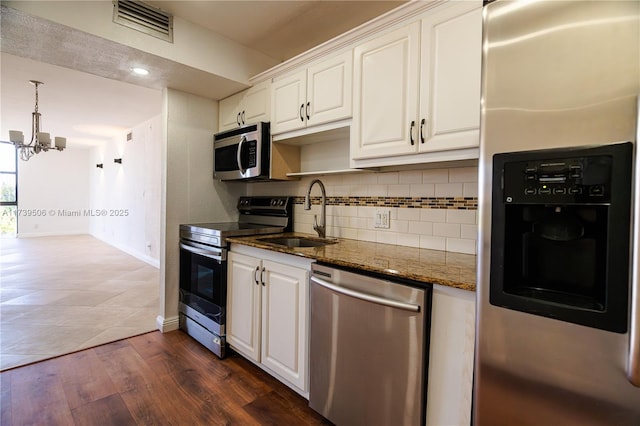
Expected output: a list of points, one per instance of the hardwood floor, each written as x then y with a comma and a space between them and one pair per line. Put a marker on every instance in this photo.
150, 379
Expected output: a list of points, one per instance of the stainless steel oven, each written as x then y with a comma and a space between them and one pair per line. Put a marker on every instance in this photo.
203, 291
203, 265
242, 153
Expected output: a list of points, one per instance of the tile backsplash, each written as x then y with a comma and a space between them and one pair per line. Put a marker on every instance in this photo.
434, 208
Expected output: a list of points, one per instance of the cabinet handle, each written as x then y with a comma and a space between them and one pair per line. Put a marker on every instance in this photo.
301, 116
255, 275
238, 119
243, 118
421, 128
262, 277
307, 110
413, 124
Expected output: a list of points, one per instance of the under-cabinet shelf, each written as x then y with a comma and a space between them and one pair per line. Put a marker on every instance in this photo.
328, 172
318, 153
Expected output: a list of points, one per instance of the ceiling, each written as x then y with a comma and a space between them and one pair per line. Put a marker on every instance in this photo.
88, 101
279, 29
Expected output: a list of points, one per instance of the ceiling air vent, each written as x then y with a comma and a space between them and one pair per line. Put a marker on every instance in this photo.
143, 18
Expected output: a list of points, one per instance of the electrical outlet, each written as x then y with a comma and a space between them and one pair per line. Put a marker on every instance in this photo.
382, 218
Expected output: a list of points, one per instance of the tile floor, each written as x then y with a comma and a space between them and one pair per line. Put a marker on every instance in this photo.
62, 294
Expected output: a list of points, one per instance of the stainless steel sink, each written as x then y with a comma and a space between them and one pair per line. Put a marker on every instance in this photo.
292, 242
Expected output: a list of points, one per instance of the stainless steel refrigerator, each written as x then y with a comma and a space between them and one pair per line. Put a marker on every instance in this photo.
558, 299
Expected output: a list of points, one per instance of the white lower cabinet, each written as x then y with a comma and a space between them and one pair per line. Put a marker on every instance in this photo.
451, 353
267, 315
268, 323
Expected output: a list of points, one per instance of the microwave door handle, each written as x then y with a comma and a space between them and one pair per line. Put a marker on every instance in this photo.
633, 368
243, 139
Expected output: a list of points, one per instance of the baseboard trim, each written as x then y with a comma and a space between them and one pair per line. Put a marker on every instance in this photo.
167, 324
49, 234
130, 251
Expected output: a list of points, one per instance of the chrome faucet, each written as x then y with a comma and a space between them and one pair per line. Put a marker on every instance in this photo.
322, 228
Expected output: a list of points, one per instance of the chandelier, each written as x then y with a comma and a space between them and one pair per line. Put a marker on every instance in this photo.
40, 141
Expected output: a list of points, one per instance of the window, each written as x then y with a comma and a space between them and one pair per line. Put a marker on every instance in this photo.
8, 189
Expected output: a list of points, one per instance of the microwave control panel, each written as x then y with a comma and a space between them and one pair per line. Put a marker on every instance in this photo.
575, 180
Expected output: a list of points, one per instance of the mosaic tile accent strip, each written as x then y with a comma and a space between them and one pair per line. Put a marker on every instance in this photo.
447, 203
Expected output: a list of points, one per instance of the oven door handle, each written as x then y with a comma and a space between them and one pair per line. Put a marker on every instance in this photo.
210, 253
243, 139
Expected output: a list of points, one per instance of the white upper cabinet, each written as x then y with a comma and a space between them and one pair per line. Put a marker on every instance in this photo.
385, 94
417, 90
318, 94
249, 106
450, 94
329, 92
229, 114
288, 102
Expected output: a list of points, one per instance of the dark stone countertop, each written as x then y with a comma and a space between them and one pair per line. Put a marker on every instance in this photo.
423, 265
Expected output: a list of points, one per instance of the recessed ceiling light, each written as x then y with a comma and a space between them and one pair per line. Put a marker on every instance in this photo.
140, 71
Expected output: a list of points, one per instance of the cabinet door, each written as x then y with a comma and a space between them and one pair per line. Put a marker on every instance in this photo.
229, 114
288, 102
385, 100
329, 91
243, 304
450, 87
284, 322
451, 352
257, 103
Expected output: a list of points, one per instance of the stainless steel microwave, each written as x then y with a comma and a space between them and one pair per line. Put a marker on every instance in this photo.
242, 153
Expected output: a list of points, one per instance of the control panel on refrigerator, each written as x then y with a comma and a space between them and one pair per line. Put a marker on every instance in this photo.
561, 180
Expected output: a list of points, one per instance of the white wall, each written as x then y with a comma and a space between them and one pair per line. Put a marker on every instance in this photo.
53, 193
189, 192
125, 198
62, 193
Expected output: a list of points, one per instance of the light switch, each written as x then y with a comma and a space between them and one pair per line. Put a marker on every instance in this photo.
382, 218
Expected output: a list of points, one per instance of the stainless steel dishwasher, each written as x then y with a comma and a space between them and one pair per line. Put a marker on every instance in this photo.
369, 348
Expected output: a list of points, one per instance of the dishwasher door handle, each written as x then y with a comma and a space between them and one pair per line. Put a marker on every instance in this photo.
367, 297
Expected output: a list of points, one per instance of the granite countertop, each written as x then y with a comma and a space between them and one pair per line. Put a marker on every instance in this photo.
423, 265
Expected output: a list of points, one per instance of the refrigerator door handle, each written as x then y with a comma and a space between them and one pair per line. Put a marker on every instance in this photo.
633, 371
